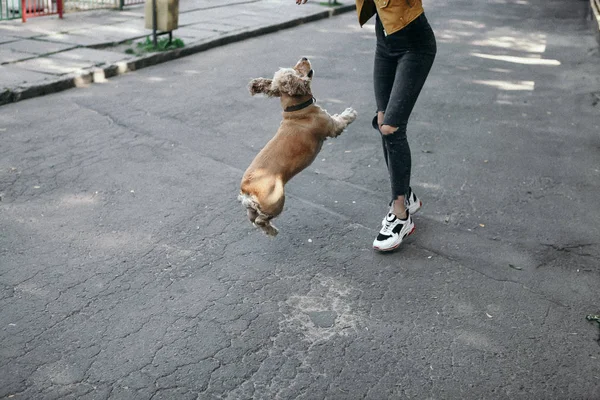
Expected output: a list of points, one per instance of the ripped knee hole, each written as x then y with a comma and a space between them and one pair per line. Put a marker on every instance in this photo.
388, 129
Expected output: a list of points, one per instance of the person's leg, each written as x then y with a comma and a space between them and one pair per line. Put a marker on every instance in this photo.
413, 50
411, 73
384, 73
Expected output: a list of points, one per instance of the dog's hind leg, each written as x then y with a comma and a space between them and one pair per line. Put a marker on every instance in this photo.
270, 207
252, 214
264, 222
251, 206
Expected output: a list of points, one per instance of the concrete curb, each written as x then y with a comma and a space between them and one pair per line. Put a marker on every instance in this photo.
100, 74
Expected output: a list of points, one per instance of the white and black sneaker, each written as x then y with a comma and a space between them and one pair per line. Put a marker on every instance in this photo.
411, 202
393, 232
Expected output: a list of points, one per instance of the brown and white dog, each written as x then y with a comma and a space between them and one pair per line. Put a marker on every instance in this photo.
298, 140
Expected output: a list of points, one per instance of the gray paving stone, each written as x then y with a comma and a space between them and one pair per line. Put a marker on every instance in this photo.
55, 66
98, 57
129, 29
10, 55
196, 5
36, 46
8, 28
209, 16
132, 24
192, 5
212, 26
11, 76
86, 38
47, 25
248, 20
195, 34
79, 40
134, 11
6, 38
114, 33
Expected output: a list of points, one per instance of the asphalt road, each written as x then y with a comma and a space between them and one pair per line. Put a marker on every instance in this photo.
129, 271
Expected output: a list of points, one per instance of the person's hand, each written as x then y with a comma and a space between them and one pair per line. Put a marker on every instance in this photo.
301, 1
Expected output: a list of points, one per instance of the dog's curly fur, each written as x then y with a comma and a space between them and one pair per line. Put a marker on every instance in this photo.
286, 81
294, 146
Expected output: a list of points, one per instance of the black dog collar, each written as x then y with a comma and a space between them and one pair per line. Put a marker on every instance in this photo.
301, 105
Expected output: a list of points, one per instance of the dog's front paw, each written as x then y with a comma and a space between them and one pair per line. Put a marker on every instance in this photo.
349, 114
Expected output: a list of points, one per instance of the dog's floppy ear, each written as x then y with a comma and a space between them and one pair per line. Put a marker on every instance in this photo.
294, 85
263, 85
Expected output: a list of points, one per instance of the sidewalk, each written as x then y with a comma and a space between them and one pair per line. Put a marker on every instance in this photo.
47, 54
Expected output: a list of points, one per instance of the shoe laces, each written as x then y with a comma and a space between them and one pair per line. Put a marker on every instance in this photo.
387, 227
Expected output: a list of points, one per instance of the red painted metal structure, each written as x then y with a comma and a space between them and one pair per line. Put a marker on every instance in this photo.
38, 8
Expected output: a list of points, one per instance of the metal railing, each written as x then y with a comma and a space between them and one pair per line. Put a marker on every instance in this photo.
10, 9
38, 8
24, 9
123, 3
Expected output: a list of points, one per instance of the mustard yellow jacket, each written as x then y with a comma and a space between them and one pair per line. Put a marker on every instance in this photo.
394, 14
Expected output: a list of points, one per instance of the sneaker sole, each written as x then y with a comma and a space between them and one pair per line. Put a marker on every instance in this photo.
396, 246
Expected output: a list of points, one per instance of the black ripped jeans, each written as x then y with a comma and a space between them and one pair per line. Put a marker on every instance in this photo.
402, 63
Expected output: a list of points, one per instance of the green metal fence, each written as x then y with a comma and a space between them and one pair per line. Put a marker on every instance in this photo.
10, 9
